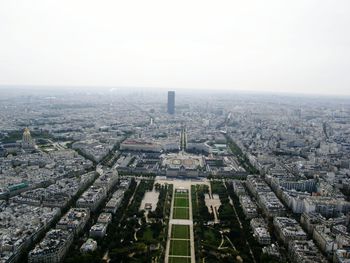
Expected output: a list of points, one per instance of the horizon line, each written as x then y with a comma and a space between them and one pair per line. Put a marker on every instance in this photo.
218, 90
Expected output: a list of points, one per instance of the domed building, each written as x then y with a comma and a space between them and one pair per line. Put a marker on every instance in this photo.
27, 141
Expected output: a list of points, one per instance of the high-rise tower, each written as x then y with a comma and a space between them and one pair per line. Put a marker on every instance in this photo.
171, 102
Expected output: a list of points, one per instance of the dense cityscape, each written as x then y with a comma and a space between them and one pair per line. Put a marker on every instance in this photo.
132, 175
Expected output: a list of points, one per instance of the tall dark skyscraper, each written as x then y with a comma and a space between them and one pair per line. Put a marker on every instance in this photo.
171, 102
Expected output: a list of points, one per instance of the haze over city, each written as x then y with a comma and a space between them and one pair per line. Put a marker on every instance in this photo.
174, 131
279, 46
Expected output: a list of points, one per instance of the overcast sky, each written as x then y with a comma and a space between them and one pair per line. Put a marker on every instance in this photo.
263, 45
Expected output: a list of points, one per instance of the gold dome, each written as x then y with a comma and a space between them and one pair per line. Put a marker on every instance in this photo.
27, 138
26, 131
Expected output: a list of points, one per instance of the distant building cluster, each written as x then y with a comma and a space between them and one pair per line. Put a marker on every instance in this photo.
20, 225
287, 159
53, 247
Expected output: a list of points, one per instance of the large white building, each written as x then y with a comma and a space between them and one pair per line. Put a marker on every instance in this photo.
52, 248
98, 230
140, 145
288, 229
92, 198
260, 231
322, 236
305, 251
89, 246
75, 219
115, 201
326, 206
182, 164
107, 180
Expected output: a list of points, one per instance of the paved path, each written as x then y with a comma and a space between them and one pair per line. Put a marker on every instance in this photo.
181, 221
193, 255
169, 229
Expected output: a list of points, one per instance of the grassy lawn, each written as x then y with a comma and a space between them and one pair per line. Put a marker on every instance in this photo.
179, 260
148, 234
181, 213
181, 195
181, 202
180, 231
212, 237
180, 248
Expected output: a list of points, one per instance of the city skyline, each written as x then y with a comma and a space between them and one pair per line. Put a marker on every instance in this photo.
113, 176
53, 89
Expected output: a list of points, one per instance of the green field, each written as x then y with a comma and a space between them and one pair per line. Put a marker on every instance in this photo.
178, 194
180, 234
211, 237
180, 231
146, 234
179, 260
181, 213
180, 248
181, 205
181, 202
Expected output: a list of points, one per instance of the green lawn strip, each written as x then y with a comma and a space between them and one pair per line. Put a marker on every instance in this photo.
179, 260
181, 202
180, 248
180, 231
181, 195
181, 213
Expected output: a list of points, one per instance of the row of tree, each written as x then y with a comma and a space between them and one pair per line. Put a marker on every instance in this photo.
164, 201
200, 210
134, 207
246, 234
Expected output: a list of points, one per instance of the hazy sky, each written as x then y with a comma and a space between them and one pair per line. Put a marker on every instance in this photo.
294, 45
